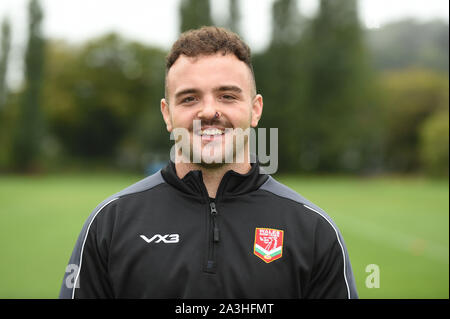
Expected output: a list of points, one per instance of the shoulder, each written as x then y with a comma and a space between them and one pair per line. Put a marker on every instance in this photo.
303, 204
146, 184
328, 237
102, 218
99, 224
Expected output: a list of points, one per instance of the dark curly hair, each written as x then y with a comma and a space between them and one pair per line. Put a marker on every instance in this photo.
209, 40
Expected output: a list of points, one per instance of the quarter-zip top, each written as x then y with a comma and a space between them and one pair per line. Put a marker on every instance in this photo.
163, 237
232, 184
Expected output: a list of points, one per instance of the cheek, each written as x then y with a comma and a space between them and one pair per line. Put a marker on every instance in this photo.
240, 117
183, 118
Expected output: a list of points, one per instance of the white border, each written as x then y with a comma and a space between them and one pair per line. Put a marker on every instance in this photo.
340, 244
84, 241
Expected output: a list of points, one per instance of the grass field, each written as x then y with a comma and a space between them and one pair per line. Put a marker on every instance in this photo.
399, 224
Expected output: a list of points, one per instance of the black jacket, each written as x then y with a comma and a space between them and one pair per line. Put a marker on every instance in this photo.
163, 237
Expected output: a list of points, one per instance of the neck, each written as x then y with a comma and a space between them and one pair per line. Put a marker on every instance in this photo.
212, 174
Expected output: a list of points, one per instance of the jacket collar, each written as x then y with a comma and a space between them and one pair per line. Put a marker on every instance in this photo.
232, 183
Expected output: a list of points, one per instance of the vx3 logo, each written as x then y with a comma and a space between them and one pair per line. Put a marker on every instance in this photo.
166, 239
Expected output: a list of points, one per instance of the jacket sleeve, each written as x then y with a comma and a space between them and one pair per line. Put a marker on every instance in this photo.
86, 275
332, 276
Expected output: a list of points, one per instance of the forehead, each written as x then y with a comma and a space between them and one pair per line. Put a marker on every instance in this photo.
208, 71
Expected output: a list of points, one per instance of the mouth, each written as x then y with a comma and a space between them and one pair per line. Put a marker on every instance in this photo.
211, 133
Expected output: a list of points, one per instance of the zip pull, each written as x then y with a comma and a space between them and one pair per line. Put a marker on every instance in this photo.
216, 232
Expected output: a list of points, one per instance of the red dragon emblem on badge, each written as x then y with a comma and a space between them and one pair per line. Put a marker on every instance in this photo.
268, 244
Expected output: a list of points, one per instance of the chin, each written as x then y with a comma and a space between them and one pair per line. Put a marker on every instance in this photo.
212, 160
211, 165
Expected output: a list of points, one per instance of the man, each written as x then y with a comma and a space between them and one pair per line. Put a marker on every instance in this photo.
211, 227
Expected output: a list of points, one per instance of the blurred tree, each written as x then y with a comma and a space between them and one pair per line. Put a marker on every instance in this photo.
411, 97
234, 17
6, 118
409, 43
434, 141
278, 73
4, 54
29, 128
286, 23
194, 14
96, 95
339, 112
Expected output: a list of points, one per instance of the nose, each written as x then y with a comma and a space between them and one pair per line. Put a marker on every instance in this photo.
208, 109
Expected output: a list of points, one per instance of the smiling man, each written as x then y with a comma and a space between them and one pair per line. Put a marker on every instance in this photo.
211, 224
213, 85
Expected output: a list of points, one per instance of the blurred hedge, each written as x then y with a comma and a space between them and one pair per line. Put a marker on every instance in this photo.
434, 141
411, 98
340, 102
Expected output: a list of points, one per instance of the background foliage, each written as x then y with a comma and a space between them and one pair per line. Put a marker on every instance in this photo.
345, 99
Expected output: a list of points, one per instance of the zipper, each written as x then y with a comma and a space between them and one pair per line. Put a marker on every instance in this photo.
214, 213
214, 238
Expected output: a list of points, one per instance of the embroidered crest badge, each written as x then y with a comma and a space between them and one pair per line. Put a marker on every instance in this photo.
268, 244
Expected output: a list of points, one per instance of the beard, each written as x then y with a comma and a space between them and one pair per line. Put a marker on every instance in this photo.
212, 151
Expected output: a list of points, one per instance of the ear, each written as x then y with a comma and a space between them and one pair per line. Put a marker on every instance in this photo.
166, 114
257, 107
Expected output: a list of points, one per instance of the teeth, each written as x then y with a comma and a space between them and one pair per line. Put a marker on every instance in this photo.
211, 131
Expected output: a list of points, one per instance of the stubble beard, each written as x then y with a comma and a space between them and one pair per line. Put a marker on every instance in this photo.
228, 150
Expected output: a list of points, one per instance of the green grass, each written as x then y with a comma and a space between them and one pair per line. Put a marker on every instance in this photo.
400, 224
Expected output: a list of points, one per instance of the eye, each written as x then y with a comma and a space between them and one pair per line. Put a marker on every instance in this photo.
228, 97
188, 99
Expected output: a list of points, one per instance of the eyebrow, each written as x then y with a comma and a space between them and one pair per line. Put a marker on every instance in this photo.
225, 88
186, 91
232, 88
